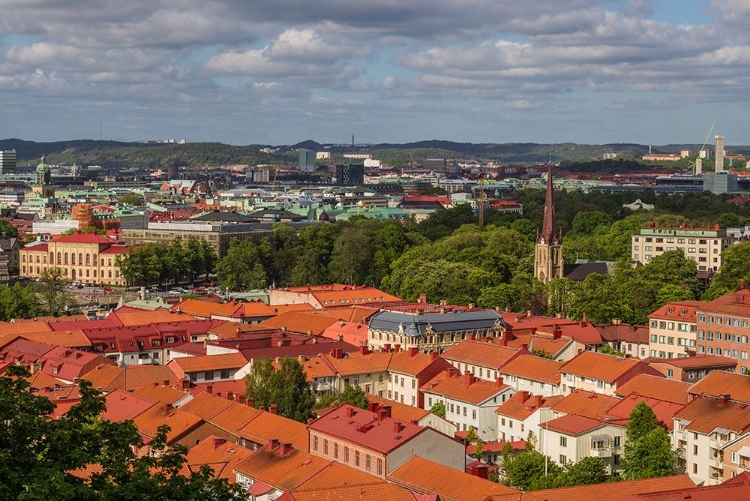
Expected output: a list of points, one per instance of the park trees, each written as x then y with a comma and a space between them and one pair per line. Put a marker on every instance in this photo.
18, 302
351, 395
159, 263
53, 297
44, 458
284, 386
241, 268
735, 267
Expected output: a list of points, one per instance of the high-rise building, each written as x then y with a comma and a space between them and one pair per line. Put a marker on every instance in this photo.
306, 160
548, 257
719, 165
7, 162
348, 175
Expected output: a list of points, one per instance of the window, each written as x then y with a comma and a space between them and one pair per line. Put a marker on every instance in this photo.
367, 462
563, 459
380, 466
356, 458
563, 441
346, 454
315, 443
325, 446
670, 373
336, 450
617, 441
209, 375
225, 374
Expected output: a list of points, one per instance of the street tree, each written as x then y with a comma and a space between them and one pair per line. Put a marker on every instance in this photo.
54, 298
648, 452
352, 395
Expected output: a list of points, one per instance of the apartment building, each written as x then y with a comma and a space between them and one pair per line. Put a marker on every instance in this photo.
535, 375
408, 371
519, 417
702, 245
722, 326
673, 329
600, 373
480, 358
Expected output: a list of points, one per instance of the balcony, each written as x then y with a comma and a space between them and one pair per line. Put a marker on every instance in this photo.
716, 462
601, 453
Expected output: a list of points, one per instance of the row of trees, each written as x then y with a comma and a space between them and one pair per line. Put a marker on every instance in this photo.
160, 264
48, 296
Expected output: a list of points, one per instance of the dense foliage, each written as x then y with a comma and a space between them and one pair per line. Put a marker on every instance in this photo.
351, 395
531, 471
82, 456
648, 452
284, 386
158, 264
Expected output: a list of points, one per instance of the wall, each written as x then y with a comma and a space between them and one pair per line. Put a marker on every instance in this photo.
430, 445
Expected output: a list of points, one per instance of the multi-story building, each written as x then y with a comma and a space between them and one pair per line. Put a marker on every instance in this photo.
673, 330
534, 375
519, 417
378, 444
483, 360
88, 258
432, 331
408, 371
600, 373
7, 162
306, 160
469, 402
702, 245
723, 328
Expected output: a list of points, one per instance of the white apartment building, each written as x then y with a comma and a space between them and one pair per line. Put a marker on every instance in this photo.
519, 417
480, 358
533, 375
702, 245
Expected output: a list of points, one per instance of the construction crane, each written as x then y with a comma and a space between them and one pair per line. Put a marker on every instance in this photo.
698, 164
275, 173
481, 198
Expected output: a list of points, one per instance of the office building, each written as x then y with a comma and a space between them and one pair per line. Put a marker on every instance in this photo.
702, 245
306, 160
347, 175
7, 162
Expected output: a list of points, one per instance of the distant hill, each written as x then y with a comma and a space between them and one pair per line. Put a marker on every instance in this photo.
113, 154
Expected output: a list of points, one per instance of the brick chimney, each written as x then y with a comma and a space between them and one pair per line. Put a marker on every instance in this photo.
210, 389
382, 414
413, 350
396, 348
498, 381
230, 395
285, 448
556, 332
372, 407
434, 356
469, 379
184, 384
387, 347
480, 470
272, 408
250, 402
724, 398
503, 342
351, 411
422, 298
538, 401
472, 337
218, 442
452, 371
524, 396
363, 349
397, 427
273, 443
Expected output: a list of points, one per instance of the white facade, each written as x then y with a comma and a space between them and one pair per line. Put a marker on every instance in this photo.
701, 452
606, 442
520, 383
403, 388
466, 414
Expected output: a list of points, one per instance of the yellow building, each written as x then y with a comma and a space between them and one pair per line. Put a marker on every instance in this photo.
86, 258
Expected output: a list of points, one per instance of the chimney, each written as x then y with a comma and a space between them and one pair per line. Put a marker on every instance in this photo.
250, 402
397, 427
396, 348
285, 448
387, 410
434, 356
165, 382
168, 408
524, 396
230, 395
556, 332
350, 411
273, 443
472, 337
372, 407
387, 347
499, 381
413, 350
363, 350
503, 342
272, 408
469, 379
382, 414
210, 389
184, 384
538, 401
241, 399
724, 398
218, 442
422, 298
525, 347
452, 371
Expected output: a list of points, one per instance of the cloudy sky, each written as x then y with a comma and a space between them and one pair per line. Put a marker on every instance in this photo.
282, 71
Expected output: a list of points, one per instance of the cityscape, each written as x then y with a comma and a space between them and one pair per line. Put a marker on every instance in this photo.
456, 251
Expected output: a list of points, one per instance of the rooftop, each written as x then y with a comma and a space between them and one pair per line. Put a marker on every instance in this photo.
607, 368
482, 353
465, 388
656, 387
533, 368
737, 386
415, 324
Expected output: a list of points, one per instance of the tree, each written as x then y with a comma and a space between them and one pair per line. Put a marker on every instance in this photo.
8, 229
18, 302
241, 268
648, 452
284, 386
40, 455
735, 267
351, 256
589, 470
352, 395
526, 471
438, 408
130, 198
258, 382
55, 300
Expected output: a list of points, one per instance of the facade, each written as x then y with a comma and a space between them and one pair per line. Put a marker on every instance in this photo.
7, 162
600, 373
548, 252
702, 245
306, 160
673, 330
533, 375
431, 331
86, 258
408, 371
722, 326
350, 174
520, 416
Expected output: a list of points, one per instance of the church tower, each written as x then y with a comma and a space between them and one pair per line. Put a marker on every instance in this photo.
548, 259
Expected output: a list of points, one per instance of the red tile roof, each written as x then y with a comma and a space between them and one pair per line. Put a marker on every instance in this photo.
220, 455
481, 353
122, 405
365, 429
283, 472
210, 362
85, 238
679, 311
464, 387
534, 368
572, 424
720, 382
297, 321
656, 387
179, 421
607, 368
705, 414
266, 426
613, 491
663, 409
585, 403
522, 405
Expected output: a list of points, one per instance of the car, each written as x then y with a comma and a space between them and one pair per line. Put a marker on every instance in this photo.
177, 290
108, 289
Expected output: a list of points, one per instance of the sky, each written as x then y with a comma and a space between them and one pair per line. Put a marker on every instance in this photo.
284, 71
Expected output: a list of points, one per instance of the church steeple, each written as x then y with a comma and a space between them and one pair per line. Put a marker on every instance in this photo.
548, 261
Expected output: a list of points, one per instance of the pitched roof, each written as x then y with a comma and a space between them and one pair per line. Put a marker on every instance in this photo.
85, 238
351, 332
365, 428
206, 405
234, 417
145, 317
220, 455
705, 414
299, 321
354, 314
68, 339
337, 474
696, 362
413, 362
122, 405
481, 353
573, 424
465, 388
614, 491
179, 421
210, 362
399, 411
157, 392
533, 368
720, 382
282, 472
679, 310
583, 332
106, 377
627, 333
370, 491
356, 362
585, 403
267, 425
414, 324
656, 387
607, 368
427, 477
8, 328
663, 409
522, 405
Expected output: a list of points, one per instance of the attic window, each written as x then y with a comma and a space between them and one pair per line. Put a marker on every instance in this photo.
669, 310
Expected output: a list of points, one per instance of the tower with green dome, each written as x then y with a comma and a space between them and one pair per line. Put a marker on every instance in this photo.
43, 186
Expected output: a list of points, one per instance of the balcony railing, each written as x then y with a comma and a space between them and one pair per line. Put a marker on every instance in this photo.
601, 453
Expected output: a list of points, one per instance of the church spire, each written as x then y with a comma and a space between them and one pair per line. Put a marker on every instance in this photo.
548, 225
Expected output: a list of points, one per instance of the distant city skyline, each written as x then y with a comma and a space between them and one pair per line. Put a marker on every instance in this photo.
284, 71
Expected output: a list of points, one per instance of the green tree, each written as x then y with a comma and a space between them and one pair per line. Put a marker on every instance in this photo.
351, 256
241, 268
735, 267
352, 395
40, 454
54, 299
18, 302
258, 382
648, 452
526, 471
438, 408
290, 391
589, 470
130, 198
8, 229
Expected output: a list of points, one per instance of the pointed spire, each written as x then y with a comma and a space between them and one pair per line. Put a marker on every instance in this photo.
548, 225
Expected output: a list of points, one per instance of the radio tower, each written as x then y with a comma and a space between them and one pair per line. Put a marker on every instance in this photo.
481, 198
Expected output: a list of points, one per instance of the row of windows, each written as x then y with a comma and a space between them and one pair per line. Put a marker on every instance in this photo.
736, 354
368, 459
734, 338
62, 258
661, 324
80, 273
736, 322
681, 341
701, 241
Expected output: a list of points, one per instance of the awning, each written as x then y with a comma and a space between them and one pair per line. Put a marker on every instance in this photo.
601, 438
259, 488
744, 451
